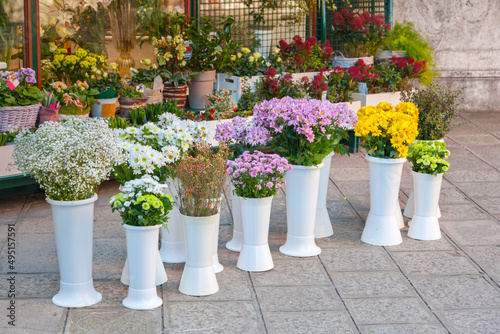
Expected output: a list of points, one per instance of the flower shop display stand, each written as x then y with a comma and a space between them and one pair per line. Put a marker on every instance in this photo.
323, 225
298, 76
374, 99
236, 241
229, 82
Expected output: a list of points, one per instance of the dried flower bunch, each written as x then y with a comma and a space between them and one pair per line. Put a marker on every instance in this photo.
201, 175
304, 131
69, 160
428, 157
258, 175
387, 131
142, 202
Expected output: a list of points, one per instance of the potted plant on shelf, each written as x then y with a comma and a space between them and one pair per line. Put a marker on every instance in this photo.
76, 100
240, 135
428, 168
277, 86
256, 177
143, 207
211, 43
340, 88
69, 160
386, 132
19, 100
239, 70
108, 84
304, 132
131, 97
49, 109
199, 195
358, 35
151, 79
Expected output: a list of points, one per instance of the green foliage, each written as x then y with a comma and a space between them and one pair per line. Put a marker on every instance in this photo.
23, 95
117, 122
427, 157
154, 111
137, 116
247, 100
340, 84
438, 105
404, 36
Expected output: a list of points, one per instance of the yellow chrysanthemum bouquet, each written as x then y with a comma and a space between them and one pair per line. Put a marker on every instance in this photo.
387, 131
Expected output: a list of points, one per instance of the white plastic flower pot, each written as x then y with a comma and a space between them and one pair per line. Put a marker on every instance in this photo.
198, 277
255, 254
323, 226
301, 200
425, 224
215, 256
410, 207
142, 252
382, 228
73, 226
172, 239
236, 242
161, 274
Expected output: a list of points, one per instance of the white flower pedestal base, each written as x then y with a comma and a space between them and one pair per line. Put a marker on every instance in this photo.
142, 253
215, 255
161, 274
198, 277
255, 254
425, 224
237, 241
73, 226
301, 199
410, 207
323, 226
172, 240
382, 227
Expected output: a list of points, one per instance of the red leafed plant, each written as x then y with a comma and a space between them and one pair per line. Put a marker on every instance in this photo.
318, 85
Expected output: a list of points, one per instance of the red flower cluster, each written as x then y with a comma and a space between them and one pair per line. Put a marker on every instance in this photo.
305, 55
361, 72
409, 68
318, 85
358, 21
273, 83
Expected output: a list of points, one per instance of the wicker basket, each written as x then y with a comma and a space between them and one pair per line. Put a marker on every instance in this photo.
348, 62
19, 117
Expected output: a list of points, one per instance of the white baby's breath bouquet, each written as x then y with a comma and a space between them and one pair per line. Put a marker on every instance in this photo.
69, 160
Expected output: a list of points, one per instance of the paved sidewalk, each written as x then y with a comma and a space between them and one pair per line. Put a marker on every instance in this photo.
445, 286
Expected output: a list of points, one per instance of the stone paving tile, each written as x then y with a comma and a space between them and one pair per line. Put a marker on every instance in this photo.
473, 321
38, 316
353, 187
452, 196
483, 173
38, 209
113, 320
107, 190
35, 225
340, 209
457, 292
489, 153
341, 239
39, 285
215, 317
372, 284
234, 285
11, 208
463, 211
360, 202
293, 272
353, 159
389, 311
350, 174
473, 233
113, 292
434, 263
109, 258
404, 329
347, 225
488, 257
353, 259
327, 322
469, 140
298, 298
410, 244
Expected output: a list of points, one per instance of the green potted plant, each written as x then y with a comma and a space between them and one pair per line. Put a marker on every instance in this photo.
69, 160
358, 35
131, 96
19, 97
428, 166
144, 208
75, 100
149, 77
50, 108
438, 105
211, 43
107, 83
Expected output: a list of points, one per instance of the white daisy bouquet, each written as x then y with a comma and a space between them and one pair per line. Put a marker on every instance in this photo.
69, 160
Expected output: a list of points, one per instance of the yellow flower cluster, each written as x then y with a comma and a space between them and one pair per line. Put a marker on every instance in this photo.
394, 128
170, 49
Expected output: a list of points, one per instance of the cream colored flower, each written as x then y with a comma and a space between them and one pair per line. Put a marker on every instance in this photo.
245, 50
251, 59
257, 55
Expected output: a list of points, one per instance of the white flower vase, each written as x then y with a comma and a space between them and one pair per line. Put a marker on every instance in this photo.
301, 200
425, 224
142, 252
323, 226
382, 227
410, 204
215, 256
73, 226
161, 274
198, 277
255, 254
236, 242
172, 239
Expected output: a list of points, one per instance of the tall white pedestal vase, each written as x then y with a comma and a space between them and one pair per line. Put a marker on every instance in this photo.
215, 255
323, 226
236, 242
161, 274
301, 200
172, 239
198, 277
425, 224
142, 252
73, 226
255, 254
381, 228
